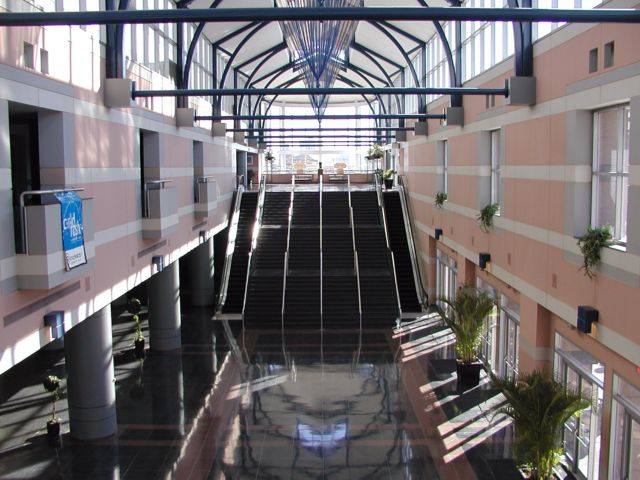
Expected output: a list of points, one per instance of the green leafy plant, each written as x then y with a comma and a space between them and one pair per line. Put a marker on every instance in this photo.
485, 217
268, 156
388, 174
464, 315
441, 197
51, 384
378, 172
539, 407
590, 245
375, 152
137, 335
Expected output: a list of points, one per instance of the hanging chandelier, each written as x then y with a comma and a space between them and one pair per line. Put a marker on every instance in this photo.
319, 48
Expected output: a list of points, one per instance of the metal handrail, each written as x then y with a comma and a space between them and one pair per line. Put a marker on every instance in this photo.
390, 259
284, 284
148, 183
321, 262
231, 241
356, 262
286, 252
422, 295
205, 179
24, 234
393, 265
254, 239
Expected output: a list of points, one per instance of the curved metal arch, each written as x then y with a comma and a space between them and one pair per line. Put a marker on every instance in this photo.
364, 77
284, 84
276, 73
522, 42
274, 52
184, 81
227, 67
358, 48
351, 83
414, 74
454, 76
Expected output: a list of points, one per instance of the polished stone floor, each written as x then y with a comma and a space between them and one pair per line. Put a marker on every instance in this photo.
292, 404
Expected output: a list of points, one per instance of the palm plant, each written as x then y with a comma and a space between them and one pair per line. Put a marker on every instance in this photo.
539, 407
465, 315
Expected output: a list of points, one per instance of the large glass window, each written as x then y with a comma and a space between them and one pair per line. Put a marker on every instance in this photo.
489, 340
625, 431
509, 336
610, 182
447, 275
583, 373
445, 165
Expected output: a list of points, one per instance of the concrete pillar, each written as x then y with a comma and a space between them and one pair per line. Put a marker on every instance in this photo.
201, 270
164, 309
90, 378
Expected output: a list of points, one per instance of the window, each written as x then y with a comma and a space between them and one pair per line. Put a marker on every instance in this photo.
625, 434
510, 336
447, 275
581, 372
610, 182
496, 194
489, 339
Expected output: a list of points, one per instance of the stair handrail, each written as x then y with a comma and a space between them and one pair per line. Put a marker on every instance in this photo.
390, 261
356, 261
321, 260
286, 252
254, 238
408, 227
231, 243
284, 285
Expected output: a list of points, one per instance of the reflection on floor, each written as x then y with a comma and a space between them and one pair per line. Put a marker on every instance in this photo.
268, 404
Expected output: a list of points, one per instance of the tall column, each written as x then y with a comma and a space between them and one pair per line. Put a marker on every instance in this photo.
90, 378
201, 270
164, 309
536, 337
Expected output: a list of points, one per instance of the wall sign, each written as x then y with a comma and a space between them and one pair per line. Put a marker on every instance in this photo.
72, 229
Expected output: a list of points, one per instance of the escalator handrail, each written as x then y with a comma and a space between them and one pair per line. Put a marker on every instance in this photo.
390, 259
228, 258
411, 244
254, 239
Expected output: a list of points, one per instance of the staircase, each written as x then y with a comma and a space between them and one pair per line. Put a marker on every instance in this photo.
400, 247
377, 288
264, 290
302, 298
238, 272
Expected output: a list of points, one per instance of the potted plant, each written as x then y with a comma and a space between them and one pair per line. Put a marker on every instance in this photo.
590, 245
464, 315
485, 217
539, 407
375, 152
388, 176
441, 197
138, 338
268, 156
51, 384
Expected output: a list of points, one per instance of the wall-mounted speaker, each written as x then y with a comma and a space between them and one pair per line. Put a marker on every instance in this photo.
55, 321
483, 259
438, 233
586, 316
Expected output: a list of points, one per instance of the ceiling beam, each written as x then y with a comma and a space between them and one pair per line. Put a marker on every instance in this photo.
202, 92
220, 15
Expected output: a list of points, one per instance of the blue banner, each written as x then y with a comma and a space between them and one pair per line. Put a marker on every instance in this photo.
72, 229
